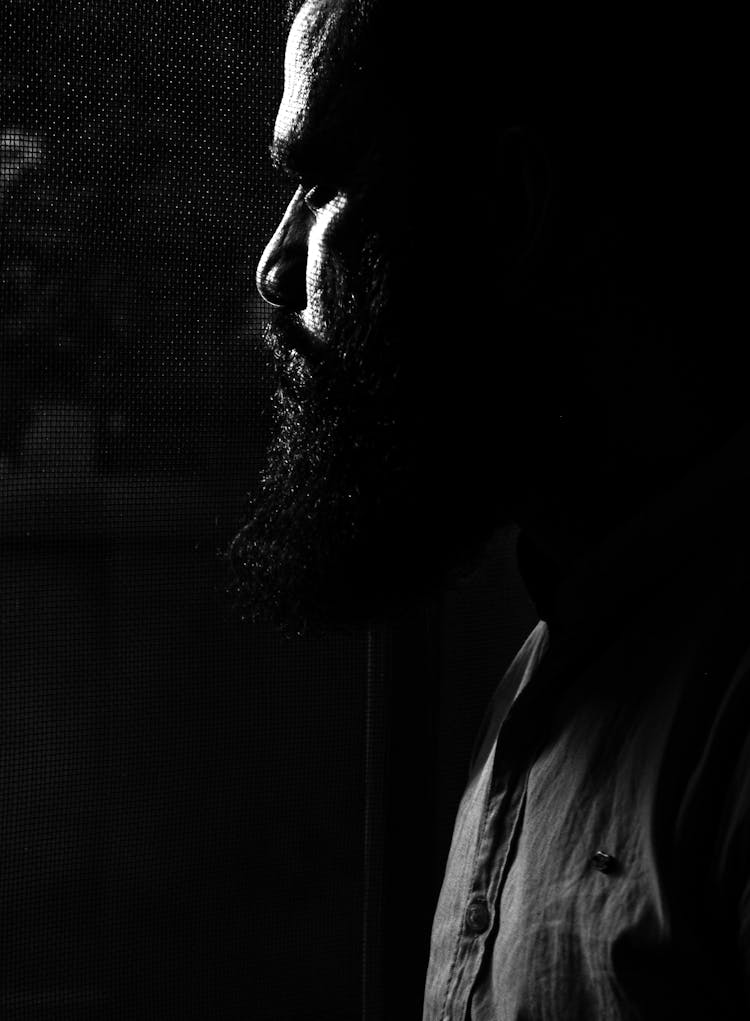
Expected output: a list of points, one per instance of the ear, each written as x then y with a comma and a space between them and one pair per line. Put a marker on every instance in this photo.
522, 196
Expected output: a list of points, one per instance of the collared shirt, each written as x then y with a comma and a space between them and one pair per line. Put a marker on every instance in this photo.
600, 862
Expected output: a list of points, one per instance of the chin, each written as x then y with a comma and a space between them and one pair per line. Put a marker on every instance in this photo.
311, 556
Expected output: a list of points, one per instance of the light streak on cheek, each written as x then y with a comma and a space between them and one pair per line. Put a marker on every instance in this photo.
321, 253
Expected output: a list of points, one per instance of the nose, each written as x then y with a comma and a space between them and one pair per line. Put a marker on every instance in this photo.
280, 276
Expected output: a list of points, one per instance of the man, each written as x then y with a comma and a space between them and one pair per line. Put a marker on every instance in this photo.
500, 295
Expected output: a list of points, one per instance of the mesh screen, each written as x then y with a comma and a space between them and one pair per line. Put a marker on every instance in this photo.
198, 819
158, 759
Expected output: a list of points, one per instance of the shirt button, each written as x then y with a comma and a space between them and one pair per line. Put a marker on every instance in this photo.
477, 916
604, 862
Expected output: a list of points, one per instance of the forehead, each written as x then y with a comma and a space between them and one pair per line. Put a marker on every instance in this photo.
320, 100
307, 60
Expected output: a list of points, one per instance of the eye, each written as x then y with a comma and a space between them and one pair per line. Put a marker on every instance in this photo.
317, 195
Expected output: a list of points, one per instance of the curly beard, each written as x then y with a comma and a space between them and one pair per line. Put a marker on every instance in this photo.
375, 491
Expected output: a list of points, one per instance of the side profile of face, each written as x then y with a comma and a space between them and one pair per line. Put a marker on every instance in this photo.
311, 242
383, 476
469, 289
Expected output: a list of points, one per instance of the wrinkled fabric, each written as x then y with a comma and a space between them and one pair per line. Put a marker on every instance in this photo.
600, 860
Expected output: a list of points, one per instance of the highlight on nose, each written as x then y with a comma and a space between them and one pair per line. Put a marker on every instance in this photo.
266, 281
280, 276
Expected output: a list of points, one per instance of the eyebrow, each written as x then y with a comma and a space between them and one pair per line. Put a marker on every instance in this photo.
291, 158
317, 158
308, 159
279, 156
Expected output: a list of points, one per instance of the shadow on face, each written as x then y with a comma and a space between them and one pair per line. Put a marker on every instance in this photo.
469, 213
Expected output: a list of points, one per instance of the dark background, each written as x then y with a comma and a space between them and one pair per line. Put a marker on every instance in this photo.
198, 819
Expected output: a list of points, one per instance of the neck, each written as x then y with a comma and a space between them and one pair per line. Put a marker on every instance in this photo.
602, 467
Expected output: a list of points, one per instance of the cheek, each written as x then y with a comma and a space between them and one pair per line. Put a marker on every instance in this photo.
317, 258
326, 265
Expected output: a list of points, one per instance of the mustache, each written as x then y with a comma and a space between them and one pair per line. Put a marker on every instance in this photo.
286, 336
296, 366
